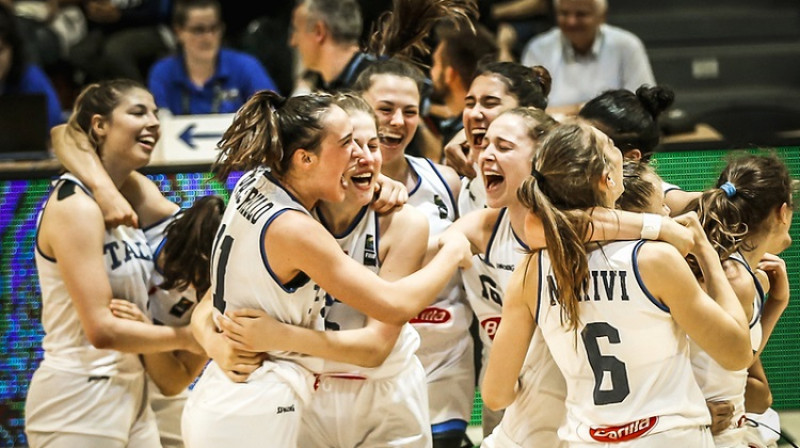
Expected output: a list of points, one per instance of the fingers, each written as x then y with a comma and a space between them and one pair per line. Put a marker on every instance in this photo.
126, 310
455, 157
245, 313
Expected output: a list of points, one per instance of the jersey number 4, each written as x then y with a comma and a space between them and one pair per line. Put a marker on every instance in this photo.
603, 363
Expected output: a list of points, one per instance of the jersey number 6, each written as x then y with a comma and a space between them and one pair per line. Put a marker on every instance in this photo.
603, 363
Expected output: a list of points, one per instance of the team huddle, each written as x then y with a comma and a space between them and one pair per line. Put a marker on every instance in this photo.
335, 292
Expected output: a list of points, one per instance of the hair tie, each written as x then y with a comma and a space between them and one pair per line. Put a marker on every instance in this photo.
537, 175
729, 189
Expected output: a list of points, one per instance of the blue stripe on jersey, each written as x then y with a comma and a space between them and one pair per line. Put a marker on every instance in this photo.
494, 234
759, 289
635, 259
289, 289
156, 253
161, 221
419, 178
349, 228
519, 240
539, 292
446, 187
450, 425
377, 237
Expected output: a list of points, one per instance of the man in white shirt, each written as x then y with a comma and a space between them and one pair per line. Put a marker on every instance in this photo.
586, 57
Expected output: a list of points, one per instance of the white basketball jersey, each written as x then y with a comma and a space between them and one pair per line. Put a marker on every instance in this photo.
241, 276
666, 187
627, 366
486, 281
361, 241
128, 262
472, 196
167, 307
721, 384
448, 318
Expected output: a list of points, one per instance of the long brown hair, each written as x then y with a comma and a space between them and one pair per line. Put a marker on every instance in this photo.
269, 128
186, 254
754, 186
566, 173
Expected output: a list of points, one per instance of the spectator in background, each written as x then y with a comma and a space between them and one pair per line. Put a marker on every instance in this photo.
204, 78
455, 60
17, 76
585, 56
325, 34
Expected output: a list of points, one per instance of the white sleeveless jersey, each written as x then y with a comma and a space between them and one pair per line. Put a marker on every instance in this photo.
666, 187
241, 276
720, 384
361, 241
448, 318
128, 262
627, 367
486, 281
472, 196
167, 307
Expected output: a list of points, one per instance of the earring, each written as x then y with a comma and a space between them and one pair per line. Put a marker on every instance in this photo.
611, 182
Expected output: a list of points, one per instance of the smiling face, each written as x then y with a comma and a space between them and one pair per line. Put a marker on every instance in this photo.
364, 175
127, 137
506, 160
579, 21
395, 100
336, 156
487, 98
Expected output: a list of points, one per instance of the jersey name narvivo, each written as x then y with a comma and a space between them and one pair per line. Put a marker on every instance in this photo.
627, 366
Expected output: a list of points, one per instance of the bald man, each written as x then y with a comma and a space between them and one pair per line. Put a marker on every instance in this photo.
586, 57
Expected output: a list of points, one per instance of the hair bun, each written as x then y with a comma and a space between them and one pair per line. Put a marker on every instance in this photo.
655, 99
542, 76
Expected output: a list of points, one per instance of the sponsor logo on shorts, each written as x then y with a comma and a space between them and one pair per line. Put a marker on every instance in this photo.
283, 409
432, 315
490, 326
623, 433
98, 378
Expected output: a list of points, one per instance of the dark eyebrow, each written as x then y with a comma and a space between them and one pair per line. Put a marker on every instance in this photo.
346, 138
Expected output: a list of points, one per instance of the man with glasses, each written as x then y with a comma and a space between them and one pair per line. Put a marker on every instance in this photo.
203, 77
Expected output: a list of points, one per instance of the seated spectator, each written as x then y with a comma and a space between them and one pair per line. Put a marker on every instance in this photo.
204, 78
585, 56
17, 76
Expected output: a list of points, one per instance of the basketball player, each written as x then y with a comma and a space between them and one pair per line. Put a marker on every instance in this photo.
601, 327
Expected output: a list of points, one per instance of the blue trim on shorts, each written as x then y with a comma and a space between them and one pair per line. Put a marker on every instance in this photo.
455, 424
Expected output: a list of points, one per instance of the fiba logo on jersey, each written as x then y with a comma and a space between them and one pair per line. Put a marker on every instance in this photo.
369, 251
441, 206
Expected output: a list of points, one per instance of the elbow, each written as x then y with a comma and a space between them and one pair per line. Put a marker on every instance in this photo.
495, 401
759, 406
101, 338
739, 359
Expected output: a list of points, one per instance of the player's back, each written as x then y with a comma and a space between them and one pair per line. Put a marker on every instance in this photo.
627, 366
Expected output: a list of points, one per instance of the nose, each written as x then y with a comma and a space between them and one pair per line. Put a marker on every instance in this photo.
475, 113
356, 152
367, 157
485, 154
153, 120
396, 118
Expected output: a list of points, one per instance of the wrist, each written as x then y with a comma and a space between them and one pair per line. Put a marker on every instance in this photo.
651, 226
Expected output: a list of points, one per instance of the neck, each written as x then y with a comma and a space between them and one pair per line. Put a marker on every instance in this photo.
333, 62
516, 213
339, 216
118, 174
200, 70
300, 189
754, 256
400, 171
